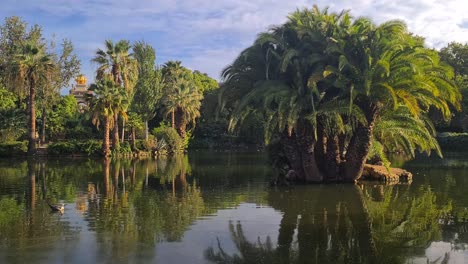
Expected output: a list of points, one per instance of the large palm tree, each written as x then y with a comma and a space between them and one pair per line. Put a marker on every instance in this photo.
182, 101
116, 62
383, 67
31, 66
321, 80
109, 100
282, 75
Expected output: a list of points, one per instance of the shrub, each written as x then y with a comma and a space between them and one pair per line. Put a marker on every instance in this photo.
62, 147
146, 145
174, 142
125, 147
88, 147
13, 148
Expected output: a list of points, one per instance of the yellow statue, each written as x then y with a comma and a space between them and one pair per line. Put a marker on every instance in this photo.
81, 79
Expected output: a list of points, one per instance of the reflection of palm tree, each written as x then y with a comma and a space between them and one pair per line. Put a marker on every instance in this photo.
258, 252
331, 227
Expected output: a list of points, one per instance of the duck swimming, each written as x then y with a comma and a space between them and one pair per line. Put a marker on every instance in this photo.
57, 208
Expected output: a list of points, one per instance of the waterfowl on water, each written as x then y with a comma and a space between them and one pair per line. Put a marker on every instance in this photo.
57, 208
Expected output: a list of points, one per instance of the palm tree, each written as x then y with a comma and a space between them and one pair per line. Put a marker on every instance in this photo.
282, 75
183, 99
383, 67
321, 81
109, 101
31, 66
117, 63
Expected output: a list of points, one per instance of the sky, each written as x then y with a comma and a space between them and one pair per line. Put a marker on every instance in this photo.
207, 35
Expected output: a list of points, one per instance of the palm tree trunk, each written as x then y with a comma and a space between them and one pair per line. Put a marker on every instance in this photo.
306, 143
105, 145
115, 133
146, 130
44, 120
321, 148
180, 123
173, 118
293, 154
123, 130
360, 144
32, 118
133, 138
333, 158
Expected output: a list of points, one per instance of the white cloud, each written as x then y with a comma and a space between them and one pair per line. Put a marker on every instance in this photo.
207, 35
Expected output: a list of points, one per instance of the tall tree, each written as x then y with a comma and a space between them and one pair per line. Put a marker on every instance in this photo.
117, 63
149, 85
109, 100
30, 67
181, 99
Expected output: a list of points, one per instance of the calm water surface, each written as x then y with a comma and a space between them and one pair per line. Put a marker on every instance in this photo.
218, 208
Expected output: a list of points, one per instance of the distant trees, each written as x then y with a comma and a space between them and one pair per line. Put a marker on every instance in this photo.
31, 71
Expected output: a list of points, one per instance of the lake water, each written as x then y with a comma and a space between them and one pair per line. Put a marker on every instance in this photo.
219, 208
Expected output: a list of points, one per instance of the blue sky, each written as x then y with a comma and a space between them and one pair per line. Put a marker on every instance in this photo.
208, 34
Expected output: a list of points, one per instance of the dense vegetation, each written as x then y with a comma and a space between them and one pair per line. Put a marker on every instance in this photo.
326, 92
335, 91
130, 90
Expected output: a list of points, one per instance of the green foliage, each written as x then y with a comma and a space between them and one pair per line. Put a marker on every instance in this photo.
11, 214
125, 148
65, 110
7, 100
204, 82
169, 135
181, 97
89, 147
150, 83
13, 148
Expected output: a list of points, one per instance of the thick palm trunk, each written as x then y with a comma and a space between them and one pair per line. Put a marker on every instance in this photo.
321, 149
115, 133
333, 159
306, 143
32, 119
180, 123
359, 146
293, 154
106, 142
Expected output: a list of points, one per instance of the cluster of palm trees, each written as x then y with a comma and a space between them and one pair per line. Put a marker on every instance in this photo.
131, 82
334, 90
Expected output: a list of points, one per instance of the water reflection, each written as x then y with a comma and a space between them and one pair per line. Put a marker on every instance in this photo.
349, 224
144, 210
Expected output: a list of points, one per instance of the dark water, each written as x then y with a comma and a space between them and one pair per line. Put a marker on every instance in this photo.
218, 208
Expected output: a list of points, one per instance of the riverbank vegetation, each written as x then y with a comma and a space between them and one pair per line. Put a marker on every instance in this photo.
325, 92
